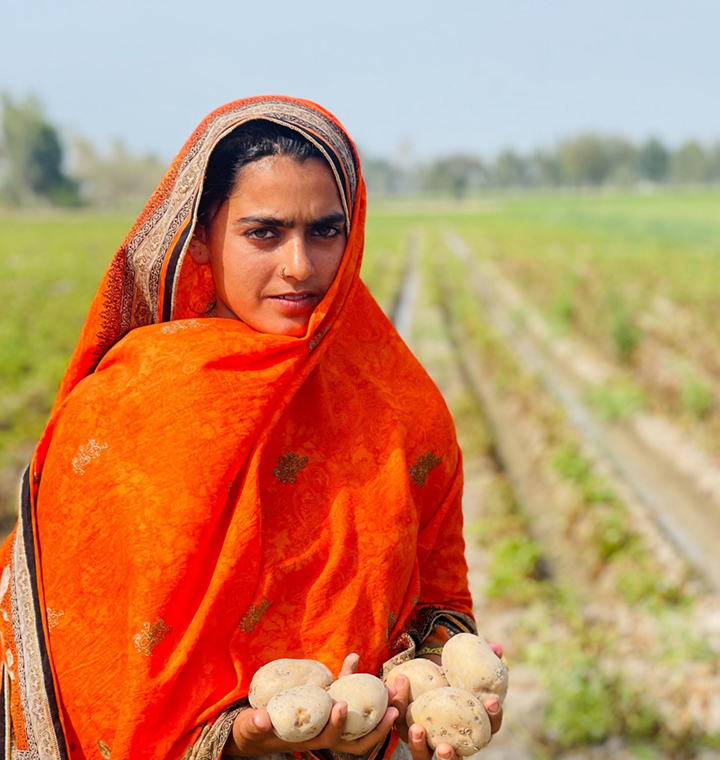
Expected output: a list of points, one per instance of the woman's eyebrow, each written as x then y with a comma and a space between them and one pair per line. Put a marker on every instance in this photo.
273, 221
267, 221
328, 219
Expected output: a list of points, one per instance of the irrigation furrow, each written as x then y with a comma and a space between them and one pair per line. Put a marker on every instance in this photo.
687, 517
571, 635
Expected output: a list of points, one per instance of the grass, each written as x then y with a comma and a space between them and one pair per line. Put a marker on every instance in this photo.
634, 276
49, 269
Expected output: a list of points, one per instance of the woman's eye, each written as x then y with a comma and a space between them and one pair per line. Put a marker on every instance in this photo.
264, 233
327, 231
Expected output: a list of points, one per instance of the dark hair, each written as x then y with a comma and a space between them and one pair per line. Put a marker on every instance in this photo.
250, 142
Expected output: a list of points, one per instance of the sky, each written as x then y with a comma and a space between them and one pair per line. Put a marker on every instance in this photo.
431, 78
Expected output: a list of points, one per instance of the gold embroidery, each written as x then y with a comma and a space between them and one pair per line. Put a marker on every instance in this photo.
414, 601
421, 469
172, 327
289, 466
150, 636
104, 749
91, 450
252, 617
53, 617
313, 343
392, 620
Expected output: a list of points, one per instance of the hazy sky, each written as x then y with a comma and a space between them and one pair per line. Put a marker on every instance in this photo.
447, 75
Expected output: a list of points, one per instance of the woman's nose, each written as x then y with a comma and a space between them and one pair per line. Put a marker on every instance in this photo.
296, 258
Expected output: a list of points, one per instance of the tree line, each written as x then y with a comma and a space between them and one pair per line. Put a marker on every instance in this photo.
587, 160
38, 167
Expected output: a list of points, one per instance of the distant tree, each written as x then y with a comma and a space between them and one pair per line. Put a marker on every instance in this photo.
543, 169
714, 162
33, 156
454, 175
623, 159
654, 161
117, 178
691, 163
585, 160
510, 169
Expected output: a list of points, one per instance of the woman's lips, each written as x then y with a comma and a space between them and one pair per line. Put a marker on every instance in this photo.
295, 303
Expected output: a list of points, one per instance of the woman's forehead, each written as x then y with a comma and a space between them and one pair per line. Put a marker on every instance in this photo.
285, 189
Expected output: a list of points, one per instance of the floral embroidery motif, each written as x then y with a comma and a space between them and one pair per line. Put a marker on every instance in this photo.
54, 617
150, 636
252, 617
172, 327
392, 620
104, 749
313, 343
289, 466
91, 450
421, 469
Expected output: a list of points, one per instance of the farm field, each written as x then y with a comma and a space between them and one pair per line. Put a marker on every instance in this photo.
577, 342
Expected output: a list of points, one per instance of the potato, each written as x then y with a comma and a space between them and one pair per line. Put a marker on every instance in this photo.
451, 715
470, 664
367, 700
284, 674
300, 713
422, 674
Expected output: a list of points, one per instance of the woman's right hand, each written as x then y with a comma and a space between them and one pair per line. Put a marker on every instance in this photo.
252, 733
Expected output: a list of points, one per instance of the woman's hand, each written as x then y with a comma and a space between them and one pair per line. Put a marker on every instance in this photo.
252, 733
415, 735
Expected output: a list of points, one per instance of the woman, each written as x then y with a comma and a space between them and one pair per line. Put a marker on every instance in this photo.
244, 462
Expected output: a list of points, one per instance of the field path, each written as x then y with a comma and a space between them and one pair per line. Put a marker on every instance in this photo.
688, 516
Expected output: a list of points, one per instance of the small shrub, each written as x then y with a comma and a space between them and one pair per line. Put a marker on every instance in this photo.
562, 307
624, 333
570, 464
616, 401
588, 706
697, 398
514, 570
612, 533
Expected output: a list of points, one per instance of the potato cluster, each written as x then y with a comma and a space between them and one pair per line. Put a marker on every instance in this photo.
448, 702
299, 695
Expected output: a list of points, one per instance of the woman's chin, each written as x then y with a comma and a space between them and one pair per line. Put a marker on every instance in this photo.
294, 327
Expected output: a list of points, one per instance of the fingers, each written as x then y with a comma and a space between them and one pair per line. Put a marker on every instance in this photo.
399, 694
399, 697
330, 735
362, 745
349, 665
495, 714
445, 752
417, 743
256, 724
252, 729
497, 648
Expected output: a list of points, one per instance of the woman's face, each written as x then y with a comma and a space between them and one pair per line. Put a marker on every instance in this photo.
276, 244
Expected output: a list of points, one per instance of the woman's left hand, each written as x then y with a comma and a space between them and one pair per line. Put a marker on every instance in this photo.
415, 735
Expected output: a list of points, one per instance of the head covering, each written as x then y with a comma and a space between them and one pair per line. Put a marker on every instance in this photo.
207, 498
150, 278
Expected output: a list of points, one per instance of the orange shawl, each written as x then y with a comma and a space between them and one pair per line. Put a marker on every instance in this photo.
207, 498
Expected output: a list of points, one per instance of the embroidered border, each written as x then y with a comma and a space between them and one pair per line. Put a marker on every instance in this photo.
35, 680
209, 745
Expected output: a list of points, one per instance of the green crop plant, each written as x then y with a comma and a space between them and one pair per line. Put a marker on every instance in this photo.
515, 571
616, 400
697, 398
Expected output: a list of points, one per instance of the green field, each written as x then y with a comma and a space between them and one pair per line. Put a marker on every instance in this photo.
612, 269
629, 283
